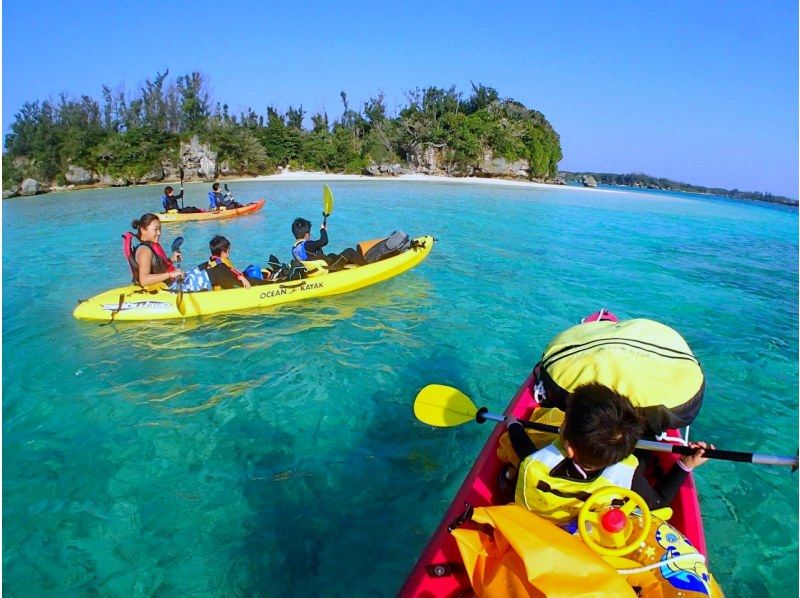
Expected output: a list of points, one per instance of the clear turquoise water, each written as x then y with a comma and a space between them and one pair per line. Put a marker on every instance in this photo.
275, 453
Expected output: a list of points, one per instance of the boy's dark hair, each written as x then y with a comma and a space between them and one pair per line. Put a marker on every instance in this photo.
168, 190
300, 227
219, 244
215, 187
601, 426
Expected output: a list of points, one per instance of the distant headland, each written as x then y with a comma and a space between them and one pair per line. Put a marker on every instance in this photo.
171, 126
645, 181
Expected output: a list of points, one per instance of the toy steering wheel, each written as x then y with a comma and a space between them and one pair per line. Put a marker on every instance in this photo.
614, 526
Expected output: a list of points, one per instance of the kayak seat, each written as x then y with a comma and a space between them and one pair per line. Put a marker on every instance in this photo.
315, 267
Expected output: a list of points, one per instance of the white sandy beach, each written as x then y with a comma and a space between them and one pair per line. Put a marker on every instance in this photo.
301, 175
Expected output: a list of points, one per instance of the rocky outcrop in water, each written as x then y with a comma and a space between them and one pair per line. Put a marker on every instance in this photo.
589, 181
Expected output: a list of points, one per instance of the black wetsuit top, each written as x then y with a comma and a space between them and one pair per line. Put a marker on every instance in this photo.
172, 201
313, 247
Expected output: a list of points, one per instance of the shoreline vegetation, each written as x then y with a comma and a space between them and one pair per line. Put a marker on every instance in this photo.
149, 135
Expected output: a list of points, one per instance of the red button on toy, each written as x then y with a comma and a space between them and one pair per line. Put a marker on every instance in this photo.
614, 520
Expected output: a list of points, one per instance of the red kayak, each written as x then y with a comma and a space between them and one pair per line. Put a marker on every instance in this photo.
439, 570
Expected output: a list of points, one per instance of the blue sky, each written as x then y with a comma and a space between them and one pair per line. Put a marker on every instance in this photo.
701, 92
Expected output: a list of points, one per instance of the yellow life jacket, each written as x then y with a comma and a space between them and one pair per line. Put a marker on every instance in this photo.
560, 499
213, 262
648, 362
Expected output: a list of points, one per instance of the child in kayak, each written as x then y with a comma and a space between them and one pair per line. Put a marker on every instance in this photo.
220, 269
169, 201
217, 199
594, 450
305, 249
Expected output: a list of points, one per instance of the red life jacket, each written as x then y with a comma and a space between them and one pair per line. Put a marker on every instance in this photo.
159, 261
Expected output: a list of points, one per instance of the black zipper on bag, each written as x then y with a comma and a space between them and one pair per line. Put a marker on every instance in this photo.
629, 342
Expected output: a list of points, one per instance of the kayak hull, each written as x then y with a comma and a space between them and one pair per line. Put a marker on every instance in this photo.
440, 572
250, 208
133, 303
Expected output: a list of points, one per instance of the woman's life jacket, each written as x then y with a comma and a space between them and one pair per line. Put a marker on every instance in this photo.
646, 361
159, 262
558, 498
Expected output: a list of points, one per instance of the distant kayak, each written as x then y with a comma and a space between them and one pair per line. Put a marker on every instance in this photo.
220, 214
133, 303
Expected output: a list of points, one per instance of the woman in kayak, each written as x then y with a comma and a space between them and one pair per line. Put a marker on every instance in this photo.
594, 450
152, 265
305, 249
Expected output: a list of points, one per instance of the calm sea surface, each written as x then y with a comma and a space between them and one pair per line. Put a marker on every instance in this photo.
276, 453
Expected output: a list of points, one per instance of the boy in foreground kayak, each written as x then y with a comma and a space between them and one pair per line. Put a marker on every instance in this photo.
305, 249
594, 450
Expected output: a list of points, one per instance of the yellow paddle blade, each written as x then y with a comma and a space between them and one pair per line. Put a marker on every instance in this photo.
443, 406
327, 200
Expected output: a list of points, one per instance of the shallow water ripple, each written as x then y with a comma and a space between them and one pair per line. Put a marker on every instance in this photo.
270, 451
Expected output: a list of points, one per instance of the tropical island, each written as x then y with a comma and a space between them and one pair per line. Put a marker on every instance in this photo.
167, 125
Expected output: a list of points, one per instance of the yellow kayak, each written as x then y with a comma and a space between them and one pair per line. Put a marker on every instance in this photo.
220, 214
133, 303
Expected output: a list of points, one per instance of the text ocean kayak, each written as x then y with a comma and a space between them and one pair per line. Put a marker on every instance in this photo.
250, 208
134, 303
440, 572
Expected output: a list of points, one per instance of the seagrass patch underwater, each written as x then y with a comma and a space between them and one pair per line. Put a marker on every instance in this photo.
275, 452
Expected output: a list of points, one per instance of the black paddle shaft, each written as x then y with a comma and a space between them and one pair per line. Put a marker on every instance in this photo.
663, 447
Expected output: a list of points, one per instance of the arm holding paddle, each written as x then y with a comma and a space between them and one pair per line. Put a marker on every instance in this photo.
446, 407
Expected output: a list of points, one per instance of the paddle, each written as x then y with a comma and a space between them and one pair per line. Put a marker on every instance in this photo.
445, 407
180, 170
176, 246
327, 204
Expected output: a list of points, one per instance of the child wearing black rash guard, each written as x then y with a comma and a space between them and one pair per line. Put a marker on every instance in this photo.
305, 249
220, 269
594, 450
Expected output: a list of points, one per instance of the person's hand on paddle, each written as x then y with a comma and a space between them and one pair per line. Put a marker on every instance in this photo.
511, 420
323, 227
696, 460
176, 273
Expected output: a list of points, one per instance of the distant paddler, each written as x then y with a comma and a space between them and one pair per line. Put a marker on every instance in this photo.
169, 201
